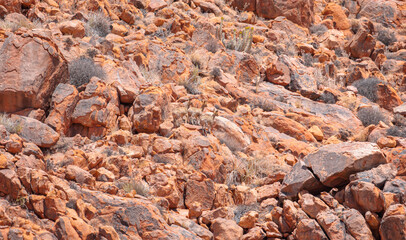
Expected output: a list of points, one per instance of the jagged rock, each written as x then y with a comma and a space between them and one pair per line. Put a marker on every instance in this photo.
74, 28
393, 225
298, 179
224, 229
190, 225
35, 131
202, 192
64, 100
333, 164
11, 185
312, 205
248, 220
149, 110
29, 82
361, 45
364, 196
309, 229
299, 12
331, 224
356, 225
224, 212
378, 176
339, 17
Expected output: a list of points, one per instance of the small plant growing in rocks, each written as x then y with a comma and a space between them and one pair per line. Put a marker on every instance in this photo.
97, 25
11, 126
83, 69
212, 46
369, 115
140, 187
318, 29
368, 88
386, 36
241, 41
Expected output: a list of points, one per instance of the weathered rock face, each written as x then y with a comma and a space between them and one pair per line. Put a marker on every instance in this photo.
27, 82
37, 132
333, 164
300, 178
64, 100
361, 45
300, 12
149, 110
393, 225
226, 229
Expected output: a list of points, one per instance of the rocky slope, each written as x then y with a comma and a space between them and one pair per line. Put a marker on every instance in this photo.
161, 119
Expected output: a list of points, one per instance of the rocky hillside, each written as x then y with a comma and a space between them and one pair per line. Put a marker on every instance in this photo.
191, 119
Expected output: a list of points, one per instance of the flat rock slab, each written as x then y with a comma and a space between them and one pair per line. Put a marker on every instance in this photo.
333, 164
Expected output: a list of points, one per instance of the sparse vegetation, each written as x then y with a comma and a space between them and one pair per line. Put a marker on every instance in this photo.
370, 115
97, 25
397, 131
83, 69
216, 73
308, 60
212, 46
240, 210
17, 24
318, 29
193, 82
241, 41
12, 126
328, 98
368, 88
140, 187
386, 36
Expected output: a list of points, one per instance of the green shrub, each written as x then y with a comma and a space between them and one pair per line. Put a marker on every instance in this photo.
370, 115
97, 25
368, 88
83, 69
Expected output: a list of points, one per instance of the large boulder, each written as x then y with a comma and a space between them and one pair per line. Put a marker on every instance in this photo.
361, 45
298, 179
300, 12
27, 81
393, 225
36, 132
149, 110
333, 164
64, 100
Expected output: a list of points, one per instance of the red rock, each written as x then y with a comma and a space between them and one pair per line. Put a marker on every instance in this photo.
37, 132
331, 224
356, 225
309, 229
334, 163
339, 17
24, 84
361, 45
224, 229
74, 28
11, 185
202, 192
149, 110
364, 196
64, 100
229, 133
393, 225
248, 220
299, 12
312, 205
